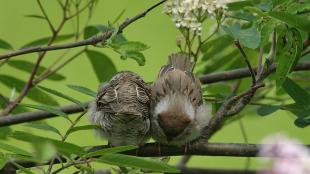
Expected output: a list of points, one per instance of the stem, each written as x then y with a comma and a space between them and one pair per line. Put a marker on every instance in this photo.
237, 43
50, 167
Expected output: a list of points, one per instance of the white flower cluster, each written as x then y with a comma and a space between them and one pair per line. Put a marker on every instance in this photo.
290, 155
191, 13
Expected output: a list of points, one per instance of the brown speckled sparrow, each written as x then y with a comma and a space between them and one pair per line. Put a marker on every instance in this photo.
122, 110
178, 111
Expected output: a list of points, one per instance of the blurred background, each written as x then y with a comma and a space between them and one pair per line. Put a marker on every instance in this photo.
155, 30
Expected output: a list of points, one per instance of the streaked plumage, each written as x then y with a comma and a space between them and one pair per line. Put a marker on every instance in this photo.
122, 110
178, 111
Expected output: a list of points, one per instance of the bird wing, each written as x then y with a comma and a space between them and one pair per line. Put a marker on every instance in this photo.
177, 77
126, 93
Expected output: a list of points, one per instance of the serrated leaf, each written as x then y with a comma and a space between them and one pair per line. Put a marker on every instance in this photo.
137, 56
299, 22
287, 61
35, 16
5, 45
95, 29
43, 126
14, 149
239, 4
62, 95
130, 46
102, 65
118, 39
266, 30
83, 90
267, 109
63, 147
44, 40
249, 37
27, 66
46, 109
33, 94
109, 150
85, 127
137, 162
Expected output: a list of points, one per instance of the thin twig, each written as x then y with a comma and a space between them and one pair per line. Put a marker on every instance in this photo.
29, 83
65, 137
90, 41
246, 59
46, 16
260, 64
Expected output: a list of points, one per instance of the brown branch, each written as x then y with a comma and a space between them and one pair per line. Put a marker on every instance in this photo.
46, 16
29, 83
39, 115
246, 59
244, 72
152, 150
206, 79
90, 41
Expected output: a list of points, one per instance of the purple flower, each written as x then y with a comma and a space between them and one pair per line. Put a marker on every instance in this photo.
289, 156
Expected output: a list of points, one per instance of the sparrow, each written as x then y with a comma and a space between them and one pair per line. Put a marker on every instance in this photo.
122, 110
178, 111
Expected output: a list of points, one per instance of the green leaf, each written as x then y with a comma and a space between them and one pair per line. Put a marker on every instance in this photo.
85, 127
14, 149
137, 56
267, 109
287, 61
27, 66
102, 65
83, 90
3, 162
43, 126
62, 95
35, 16
249, 37
137, 162
47, 109
130, 46
291, 19
5, 132
297, 109
109, 150
44, 151
302, 123
64, 147
27, 171
118, 39
233, 6
94, 29
34, 94
45, 40
3, 103
299, 95
5, 45
266, 30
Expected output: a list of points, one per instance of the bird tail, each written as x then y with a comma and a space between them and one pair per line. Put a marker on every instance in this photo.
180, 61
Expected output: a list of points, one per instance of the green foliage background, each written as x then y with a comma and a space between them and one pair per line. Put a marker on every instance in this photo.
157, 31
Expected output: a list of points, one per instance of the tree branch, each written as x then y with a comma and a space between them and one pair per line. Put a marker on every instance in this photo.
39, 115
152, 150
244, 72
206, 79
90, 41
